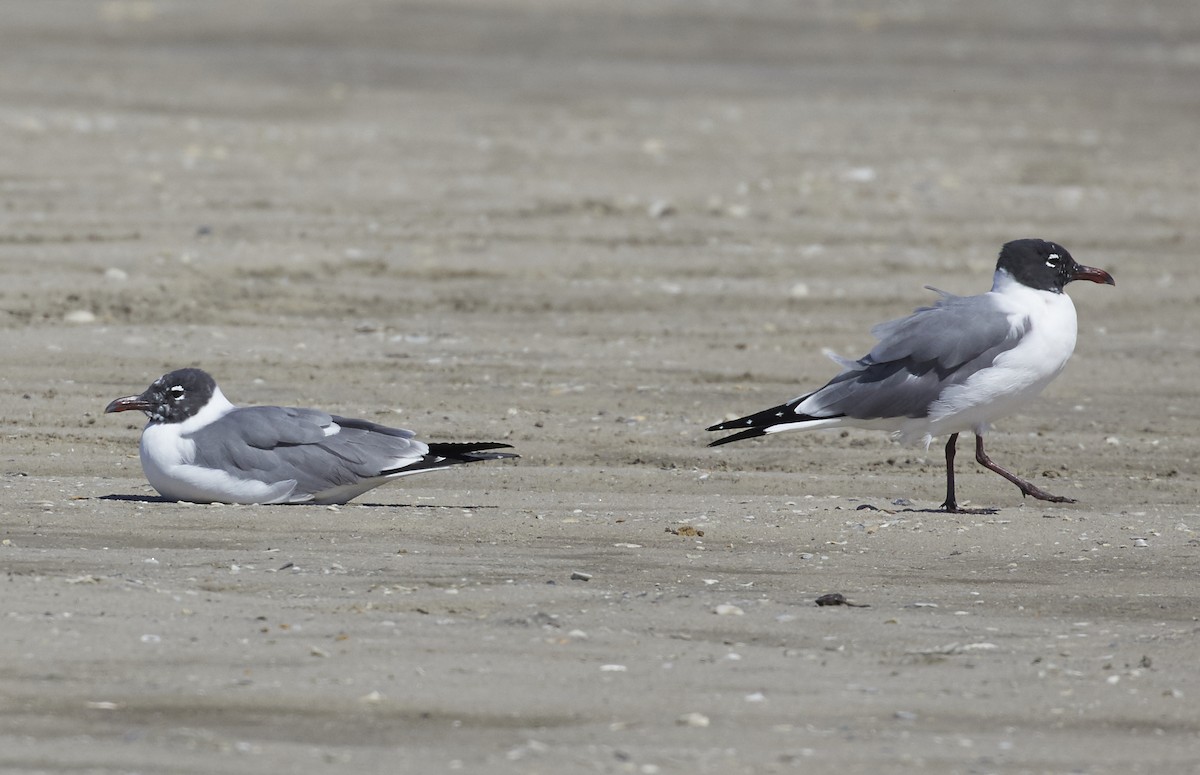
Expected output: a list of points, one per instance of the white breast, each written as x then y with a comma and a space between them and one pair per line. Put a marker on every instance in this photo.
1017, 375
163, 451
168, 455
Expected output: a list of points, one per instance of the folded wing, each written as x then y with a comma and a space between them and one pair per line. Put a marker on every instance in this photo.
316, 450
916, 359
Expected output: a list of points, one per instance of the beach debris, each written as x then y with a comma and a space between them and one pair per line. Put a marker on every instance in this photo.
580, 576
103, 705
837, 598
660, 208
685, 530
728, 609
693, 719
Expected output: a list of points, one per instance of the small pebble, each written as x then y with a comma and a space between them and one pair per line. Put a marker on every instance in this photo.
115, 274
1140, 542
859, 175
725, 609
660, 208
580, 576
80, 316
693, 720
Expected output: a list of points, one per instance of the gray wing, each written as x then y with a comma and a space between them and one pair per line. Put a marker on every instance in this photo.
917, 358
274, 444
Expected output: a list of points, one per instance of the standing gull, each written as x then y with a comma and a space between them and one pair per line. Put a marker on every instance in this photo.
952, 367
199, 447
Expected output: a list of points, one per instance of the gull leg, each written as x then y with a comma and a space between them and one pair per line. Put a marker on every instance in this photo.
1027, 488
951, 505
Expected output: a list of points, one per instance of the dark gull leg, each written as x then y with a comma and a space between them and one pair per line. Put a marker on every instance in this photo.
951, 505
1027, 488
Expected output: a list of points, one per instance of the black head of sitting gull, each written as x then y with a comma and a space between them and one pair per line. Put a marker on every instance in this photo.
955, 366
199, 447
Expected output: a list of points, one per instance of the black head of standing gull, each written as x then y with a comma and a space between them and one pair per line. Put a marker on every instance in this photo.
199, 447
952, 367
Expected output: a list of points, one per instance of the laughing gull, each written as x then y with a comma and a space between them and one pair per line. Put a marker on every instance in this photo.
199, 447
952, 367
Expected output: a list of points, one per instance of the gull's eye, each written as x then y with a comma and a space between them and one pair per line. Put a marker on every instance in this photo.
176, 393
1053, 261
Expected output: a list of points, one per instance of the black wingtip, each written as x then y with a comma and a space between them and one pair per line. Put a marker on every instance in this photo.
446, 454
750, 433
753, 425
760, 423
470, 452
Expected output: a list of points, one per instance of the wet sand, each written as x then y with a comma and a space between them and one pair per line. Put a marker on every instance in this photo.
590, 230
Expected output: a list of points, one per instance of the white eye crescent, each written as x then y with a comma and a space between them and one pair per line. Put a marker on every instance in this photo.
1053, 260
176, 392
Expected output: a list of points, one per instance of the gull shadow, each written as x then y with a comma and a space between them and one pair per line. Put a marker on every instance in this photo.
161, 499
870, 507
949, 513
413, 506
135, 498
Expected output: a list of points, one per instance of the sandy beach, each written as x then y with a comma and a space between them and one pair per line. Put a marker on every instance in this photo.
590, 230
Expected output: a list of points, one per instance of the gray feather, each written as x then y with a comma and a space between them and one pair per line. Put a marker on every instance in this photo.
273, 443
916, 359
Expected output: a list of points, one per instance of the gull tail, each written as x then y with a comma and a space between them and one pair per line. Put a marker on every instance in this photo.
778, 418
443, 454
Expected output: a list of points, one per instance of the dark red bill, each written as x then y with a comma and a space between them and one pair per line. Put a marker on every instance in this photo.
127, 403
1093, 274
